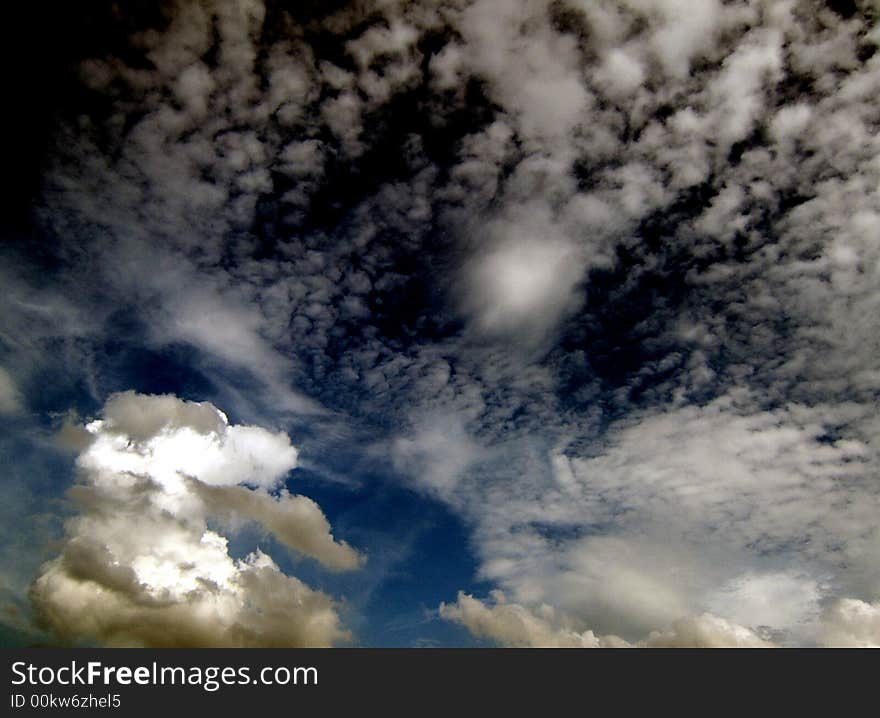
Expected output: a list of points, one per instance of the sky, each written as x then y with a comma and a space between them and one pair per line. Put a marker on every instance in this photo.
441, 323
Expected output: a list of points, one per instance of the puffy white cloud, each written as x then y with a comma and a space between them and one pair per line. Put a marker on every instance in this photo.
706, 631
516, 626
789, 122
753, 517
761, 478
785, 601
247, 603
680, 31
737, 93
522, 281
140, 565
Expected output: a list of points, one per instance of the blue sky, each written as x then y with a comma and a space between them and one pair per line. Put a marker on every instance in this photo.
442, 323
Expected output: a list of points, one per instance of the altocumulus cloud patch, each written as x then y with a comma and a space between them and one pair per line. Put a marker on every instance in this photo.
599, 280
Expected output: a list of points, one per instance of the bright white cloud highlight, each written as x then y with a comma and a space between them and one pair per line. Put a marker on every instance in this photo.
141, 567
516, 626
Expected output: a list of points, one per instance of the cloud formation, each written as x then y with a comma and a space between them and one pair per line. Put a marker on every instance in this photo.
523, 283
851, 623
10, 397
600, 277
515, 626
756, 517
140, 566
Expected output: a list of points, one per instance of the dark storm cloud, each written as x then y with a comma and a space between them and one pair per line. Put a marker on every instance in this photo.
600, 276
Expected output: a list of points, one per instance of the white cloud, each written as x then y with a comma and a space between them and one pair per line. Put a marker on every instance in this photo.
789, 122
513, 625
737, 91
296, 521
167, 439
522, 280
684, 31
10, 397
516, 626
783, 600
752, 517
247, 603
228, 327
534, 75
851, 623
139, 564
436, 453
620, 73
706, 631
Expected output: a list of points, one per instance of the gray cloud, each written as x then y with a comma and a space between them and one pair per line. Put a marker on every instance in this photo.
296, 521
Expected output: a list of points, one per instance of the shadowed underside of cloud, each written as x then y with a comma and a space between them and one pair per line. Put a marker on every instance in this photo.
848, 623
511, 624
601, 277
139, 565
